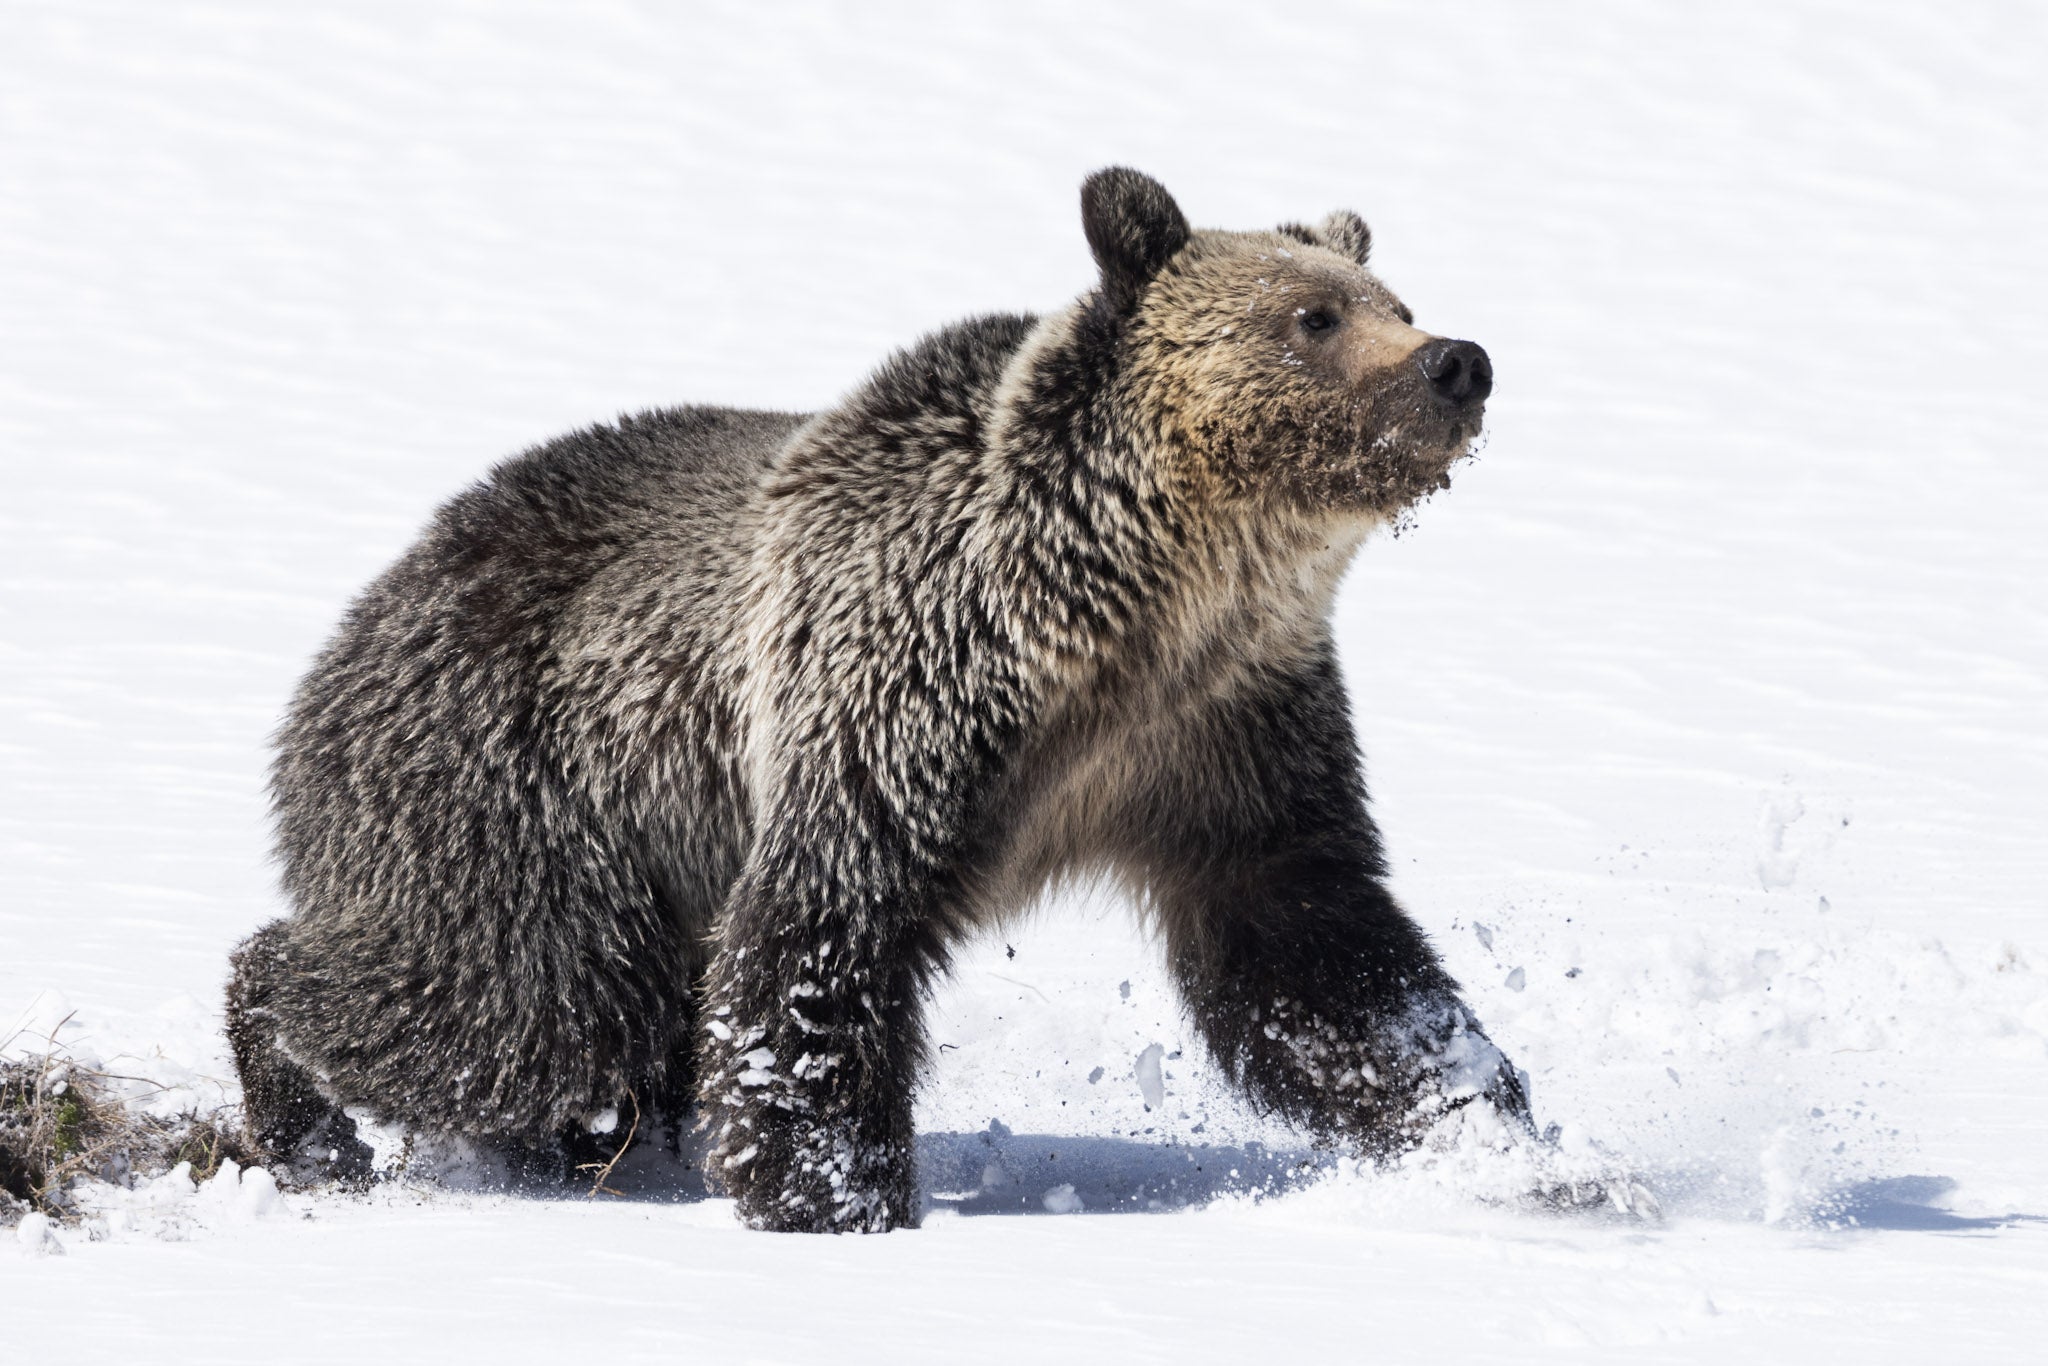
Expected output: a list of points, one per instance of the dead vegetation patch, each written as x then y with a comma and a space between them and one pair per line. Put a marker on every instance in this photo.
62, 1122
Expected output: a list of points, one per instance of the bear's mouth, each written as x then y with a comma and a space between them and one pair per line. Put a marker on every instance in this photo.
1373, 460
1404, 467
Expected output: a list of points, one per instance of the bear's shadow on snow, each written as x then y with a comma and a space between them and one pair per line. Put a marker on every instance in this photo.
996, 1171
1000, 1172
1909, 1204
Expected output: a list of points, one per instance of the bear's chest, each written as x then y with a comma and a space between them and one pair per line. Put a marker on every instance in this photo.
1151, 726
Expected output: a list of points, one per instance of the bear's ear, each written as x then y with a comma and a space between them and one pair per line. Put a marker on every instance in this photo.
1133, 227
1345, 231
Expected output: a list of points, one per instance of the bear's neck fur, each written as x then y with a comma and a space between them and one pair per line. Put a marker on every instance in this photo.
1205, 582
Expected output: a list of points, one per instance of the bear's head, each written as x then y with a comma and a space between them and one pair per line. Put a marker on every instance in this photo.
1275, 361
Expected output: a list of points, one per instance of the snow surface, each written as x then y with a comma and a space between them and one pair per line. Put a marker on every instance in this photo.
1706, 715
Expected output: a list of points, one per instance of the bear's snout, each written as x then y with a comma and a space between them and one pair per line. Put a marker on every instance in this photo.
1458, 372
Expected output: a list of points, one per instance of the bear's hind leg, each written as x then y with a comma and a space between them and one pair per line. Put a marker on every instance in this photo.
291, 1122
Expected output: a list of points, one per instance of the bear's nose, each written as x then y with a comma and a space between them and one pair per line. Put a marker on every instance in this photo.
1458, 371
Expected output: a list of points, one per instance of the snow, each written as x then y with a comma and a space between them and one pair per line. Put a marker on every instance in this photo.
1707, 714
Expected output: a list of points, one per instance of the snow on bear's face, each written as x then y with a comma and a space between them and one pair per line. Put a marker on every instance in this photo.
1289, 371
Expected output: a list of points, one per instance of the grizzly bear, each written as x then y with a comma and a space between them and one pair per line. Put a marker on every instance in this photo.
673, 761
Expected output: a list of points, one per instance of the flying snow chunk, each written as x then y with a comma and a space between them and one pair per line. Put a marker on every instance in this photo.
1062, 1200
1151, 1085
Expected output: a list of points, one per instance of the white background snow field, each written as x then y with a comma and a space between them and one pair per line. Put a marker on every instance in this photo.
1706, 715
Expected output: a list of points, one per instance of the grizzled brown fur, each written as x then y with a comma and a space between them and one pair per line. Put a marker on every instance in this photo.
677, 755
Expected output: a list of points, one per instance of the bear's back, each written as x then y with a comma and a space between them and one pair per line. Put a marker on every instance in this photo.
556, 517
458, 680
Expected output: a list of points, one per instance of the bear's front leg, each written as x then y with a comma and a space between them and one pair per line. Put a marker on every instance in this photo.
1321, 998
813, 1041
1343, 1022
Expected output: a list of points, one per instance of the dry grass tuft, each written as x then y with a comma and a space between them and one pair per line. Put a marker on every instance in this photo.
61, 1123
604, 1169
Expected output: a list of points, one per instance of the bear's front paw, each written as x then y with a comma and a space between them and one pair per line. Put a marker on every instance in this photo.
1381, 1086
790, 1175
802, 1149
1450, 1065
1469, 1119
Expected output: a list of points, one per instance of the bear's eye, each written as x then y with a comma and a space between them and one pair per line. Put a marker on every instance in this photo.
1316, 320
